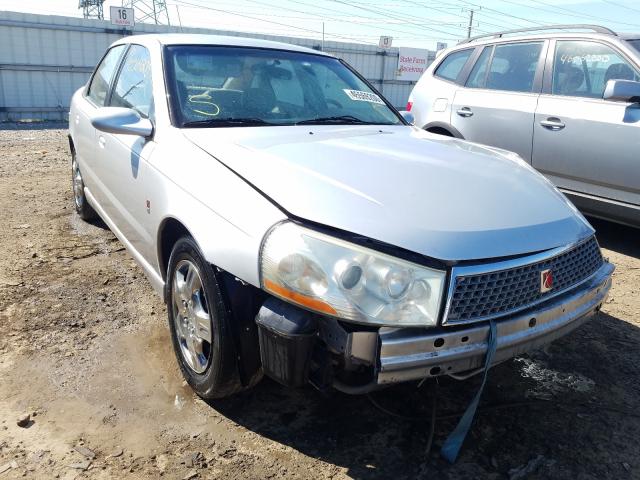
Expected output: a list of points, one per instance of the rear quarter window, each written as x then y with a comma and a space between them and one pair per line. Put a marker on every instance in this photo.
452, 65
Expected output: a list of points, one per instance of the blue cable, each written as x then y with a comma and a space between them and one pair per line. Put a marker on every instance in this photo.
454, 441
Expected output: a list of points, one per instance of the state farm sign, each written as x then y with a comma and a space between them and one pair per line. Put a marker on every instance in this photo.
412, 62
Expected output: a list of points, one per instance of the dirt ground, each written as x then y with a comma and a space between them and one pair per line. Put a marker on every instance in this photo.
85, 350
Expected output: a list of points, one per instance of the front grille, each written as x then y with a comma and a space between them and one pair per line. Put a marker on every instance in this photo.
491, 294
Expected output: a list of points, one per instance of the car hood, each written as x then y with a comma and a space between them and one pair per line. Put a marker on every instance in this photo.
436, 196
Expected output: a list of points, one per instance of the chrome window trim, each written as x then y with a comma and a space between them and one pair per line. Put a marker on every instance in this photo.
466, 270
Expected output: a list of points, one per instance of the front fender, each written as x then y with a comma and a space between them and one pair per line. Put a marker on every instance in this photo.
225, 215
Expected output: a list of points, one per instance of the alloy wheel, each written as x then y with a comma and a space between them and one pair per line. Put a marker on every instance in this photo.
78, 184
191, 316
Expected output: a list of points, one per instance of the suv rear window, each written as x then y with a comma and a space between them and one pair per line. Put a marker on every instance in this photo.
452, 65
513, 67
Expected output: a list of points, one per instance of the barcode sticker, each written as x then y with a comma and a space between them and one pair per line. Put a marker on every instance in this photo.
363, 96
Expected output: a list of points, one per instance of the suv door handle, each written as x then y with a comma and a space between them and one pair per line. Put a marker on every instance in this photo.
464, 112
552, 123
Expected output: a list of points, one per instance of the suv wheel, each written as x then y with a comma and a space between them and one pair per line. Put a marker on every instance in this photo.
199, 324
83, 208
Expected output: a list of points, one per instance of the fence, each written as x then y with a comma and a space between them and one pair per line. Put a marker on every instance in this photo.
44, 59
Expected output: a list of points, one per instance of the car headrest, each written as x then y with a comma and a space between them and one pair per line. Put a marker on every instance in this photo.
271, 71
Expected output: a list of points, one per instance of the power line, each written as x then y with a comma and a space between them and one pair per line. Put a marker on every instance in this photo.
411, 25
502, 13
621, 6
566, 10
379, 12
481, 11
317, 32
464, 17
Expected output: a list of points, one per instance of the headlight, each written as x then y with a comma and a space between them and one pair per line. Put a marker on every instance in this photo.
338, 278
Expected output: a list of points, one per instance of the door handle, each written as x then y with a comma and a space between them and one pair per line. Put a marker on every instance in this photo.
101, 141
552, 123
464, 112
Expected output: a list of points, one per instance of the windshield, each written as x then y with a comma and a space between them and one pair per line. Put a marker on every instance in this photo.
635, 43
213, 86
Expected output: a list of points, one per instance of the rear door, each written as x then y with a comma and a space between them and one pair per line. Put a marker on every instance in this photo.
581, 142
84, 134
497, 104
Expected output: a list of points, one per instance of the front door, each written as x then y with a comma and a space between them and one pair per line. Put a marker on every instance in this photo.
581, 142
497, 104
123, 159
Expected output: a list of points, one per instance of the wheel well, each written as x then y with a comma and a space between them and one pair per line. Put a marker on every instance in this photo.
170, 231
440, 131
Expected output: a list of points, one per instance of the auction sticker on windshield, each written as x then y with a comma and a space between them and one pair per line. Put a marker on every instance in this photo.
363, 96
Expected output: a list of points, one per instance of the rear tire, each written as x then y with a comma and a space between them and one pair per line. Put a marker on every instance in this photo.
200, 325
80, 202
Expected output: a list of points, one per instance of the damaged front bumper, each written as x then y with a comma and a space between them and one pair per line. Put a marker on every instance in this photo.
357, 360
409, 355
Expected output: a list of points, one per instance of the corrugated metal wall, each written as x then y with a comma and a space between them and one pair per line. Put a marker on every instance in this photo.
44, 59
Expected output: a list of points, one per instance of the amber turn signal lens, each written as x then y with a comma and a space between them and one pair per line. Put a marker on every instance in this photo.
311, 303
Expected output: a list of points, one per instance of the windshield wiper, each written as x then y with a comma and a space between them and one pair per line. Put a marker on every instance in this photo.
340, 119
227, 122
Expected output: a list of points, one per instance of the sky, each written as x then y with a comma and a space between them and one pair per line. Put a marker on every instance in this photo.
411, 23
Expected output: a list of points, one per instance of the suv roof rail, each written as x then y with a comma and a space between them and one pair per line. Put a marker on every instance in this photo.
595, 28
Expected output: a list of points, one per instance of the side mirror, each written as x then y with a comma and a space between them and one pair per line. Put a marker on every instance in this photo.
622, 91
408, 116
124, 121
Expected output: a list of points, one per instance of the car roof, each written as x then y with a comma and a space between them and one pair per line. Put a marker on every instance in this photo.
536, 36
222, 40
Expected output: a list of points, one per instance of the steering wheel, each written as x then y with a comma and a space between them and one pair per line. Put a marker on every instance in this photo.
334, 102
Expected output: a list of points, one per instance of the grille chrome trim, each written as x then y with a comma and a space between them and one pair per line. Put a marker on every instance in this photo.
505, 265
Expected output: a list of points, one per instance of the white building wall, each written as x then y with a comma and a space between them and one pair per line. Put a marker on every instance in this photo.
45, 58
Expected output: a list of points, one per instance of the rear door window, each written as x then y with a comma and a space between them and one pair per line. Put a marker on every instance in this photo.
479, 71
451, 66
512, 68
583, 68
101, 81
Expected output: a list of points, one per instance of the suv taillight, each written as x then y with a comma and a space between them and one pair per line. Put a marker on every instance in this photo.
409, 105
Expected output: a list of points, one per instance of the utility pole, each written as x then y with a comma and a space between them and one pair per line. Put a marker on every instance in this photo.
179, 19
470, 23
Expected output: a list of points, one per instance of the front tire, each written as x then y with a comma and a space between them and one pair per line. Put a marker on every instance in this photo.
80, 203
199, 324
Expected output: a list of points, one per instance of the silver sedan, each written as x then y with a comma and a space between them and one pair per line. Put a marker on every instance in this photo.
296, 225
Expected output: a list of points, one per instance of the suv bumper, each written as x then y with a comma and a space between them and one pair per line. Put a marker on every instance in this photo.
410, 354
